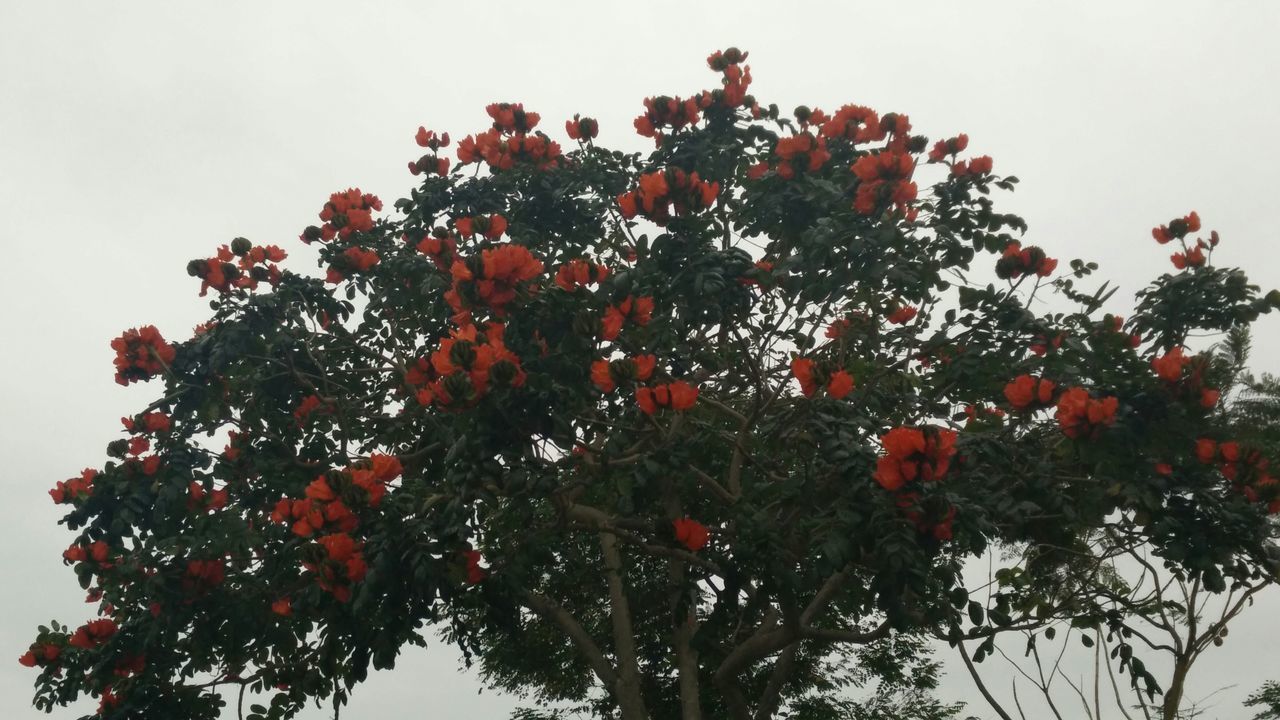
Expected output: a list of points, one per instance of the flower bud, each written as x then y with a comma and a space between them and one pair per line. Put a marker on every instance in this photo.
240, 246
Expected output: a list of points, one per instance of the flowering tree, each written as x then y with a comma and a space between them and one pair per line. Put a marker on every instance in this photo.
676, 435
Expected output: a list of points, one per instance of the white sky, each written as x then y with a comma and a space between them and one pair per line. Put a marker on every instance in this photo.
136, 136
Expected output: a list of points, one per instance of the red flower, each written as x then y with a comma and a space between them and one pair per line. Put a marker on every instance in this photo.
901, 315
841, 384
492, 279
1082, 416
1177, 228
1206, 450
491, 226
678, 396
638, 310
951, 146
93, 633
884, 177
1209, 397
475, 573
606, 375
345, 213
924, 454
75, 488
512, 117
141, 354
1169, 366
853, 122
691, 533
282, 607
580, 273
1017, 261
580, 128
1026, 392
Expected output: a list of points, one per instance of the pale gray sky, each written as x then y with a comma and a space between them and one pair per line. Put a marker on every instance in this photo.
136, 136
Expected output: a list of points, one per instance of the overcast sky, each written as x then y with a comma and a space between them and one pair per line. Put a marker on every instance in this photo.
136, 136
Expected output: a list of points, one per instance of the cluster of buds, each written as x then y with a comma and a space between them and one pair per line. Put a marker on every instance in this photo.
492, 279
466, 366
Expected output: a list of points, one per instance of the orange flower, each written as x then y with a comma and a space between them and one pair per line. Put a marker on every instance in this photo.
802, 369
884, 177
924, 454
1169, 366
678, 396
580, 273
141, 354
901, 315
841, 384
1082, 416
638, 310
1025, 392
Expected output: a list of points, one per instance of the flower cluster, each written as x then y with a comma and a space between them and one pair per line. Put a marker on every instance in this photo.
256, 263
981, 165
141, 354
338, 565
1026, 392
328, 499
345, 213
690, 533
666, 112
93, 633
1177, 229
1082, 416
431, 162
911, 454
310, 404
885, 178
1247, 470
608, 374
489, 226
813, 375
40, 654
75, 488
199, 498
98, 552
466, 365
580, 273
151, 422
440, 246
202, 576
491, 279
853, 122
735, 82
349, 262
951, 146
1172, 367
939, 527
799, 153
659, 191
581, 128
900, 314
510, 141
637, 310
1017, 261
678, 396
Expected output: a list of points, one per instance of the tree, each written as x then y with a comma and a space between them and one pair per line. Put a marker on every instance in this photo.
686, 434
1156, 612
1268, 698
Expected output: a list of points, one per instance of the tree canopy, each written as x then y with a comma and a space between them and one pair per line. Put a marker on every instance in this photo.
702, 432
